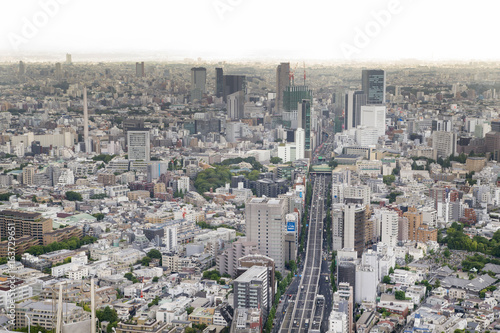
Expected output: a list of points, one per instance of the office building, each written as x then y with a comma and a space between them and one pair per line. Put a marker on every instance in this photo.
248, 261
58, 71
304, 122
219, 82
343, 302
389, 229
235, 105
373, 85
444, 144
227, 262
139, 146
232, 84
139, 69
251, 289
198, 83
354, 100
22, 68
300, 142
265, 224
282, 81
68, 59
292, 98
88, 147
374, 116
349, 227
44, 314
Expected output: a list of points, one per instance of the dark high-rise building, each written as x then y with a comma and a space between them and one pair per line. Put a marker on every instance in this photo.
219, 82
232, 84
354, 100
198, 82
304, 122
282, 81
373, 85
139, 69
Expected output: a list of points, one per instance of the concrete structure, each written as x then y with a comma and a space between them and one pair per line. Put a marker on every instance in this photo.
265, 224
139, 145
251, 289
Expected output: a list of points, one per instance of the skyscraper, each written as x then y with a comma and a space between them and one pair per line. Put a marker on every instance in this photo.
349, 227
389, 228
22, 68
198, 82
282, 81
374, 116
139, 69
354, 100
139, 146
292, 96
304, 122
265, 224
232, 84
219, 82
86, 139
300, 141
235, 105
68, 59
58, 71
373, 85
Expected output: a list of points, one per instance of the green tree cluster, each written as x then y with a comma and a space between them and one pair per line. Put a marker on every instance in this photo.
71, 244
73, 196
103, 158
212, 178
108, 314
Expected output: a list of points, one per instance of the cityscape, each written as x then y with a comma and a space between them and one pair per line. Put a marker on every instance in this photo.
217, 190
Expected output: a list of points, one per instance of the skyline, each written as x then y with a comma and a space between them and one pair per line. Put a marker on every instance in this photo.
379, 31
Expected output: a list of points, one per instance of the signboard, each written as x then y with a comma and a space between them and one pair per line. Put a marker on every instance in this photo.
290, 226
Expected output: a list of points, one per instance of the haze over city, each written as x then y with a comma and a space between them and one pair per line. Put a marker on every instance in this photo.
232, 166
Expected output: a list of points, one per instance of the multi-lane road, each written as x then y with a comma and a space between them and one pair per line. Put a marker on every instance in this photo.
307, 309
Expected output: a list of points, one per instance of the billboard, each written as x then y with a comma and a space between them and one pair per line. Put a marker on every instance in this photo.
290, 226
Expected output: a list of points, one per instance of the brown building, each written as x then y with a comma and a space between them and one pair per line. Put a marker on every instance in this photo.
60, 235
417, 230
492, 142
475, 164
25, 223
23, 243
106, 178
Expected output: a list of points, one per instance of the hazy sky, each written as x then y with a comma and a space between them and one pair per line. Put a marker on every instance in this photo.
235, 29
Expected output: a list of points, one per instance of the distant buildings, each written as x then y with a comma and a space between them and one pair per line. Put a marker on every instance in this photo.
282, 81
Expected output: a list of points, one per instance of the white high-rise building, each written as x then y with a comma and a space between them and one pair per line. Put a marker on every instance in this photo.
235, 105
170, 238
337, 322
444, 144
374, 116
183, 184
139, 146
300, 141
389, 228
265, 224
287, 152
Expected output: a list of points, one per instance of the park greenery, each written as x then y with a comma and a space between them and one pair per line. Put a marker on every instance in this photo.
71, 244
73, 196
103, 158
456, 239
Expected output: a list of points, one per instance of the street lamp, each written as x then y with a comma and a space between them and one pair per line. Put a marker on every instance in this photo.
29, 322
